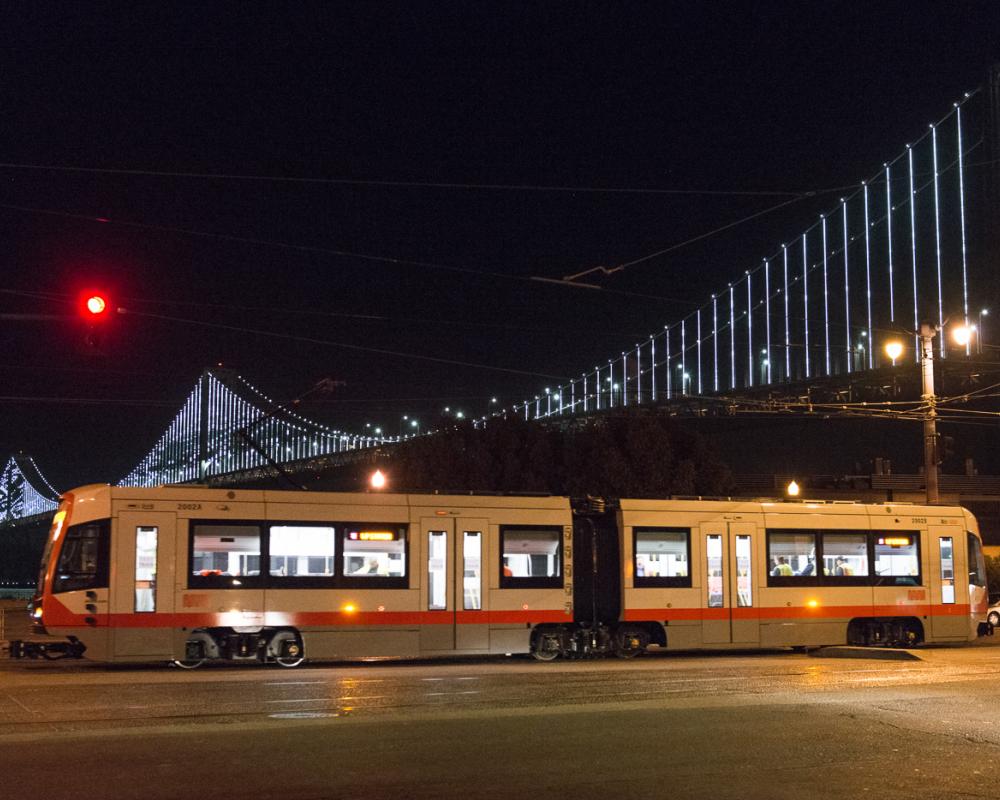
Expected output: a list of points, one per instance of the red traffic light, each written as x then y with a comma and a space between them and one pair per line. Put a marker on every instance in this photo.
95, 305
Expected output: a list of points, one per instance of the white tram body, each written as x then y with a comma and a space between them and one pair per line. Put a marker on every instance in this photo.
189, 574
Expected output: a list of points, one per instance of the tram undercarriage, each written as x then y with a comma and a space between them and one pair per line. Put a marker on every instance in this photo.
589, 641
282, 646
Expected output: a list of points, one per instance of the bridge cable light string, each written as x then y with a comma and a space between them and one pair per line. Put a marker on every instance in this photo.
844, 201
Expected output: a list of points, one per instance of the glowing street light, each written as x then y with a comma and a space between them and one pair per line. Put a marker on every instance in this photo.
792, 490
377, 480
894, 350
963, 334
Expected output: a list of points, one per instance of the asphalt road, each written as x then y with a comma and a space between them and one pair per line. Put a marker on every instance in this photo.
753, 725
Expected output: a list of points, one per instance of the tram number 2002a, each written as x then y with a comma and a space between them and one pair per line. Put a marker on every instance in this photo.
189, 506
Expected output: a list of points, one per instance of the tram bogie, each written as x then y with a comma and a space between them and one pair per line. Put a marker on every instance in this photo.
590, 641
885, 632
191, 575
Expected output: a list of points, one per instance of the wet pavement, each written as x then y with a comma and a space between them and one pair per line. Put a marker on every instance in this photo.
758, 724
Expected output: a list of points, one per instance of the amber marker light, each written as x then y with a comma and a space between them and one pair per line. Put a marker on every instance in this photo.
812, 603
57, 524
349, 608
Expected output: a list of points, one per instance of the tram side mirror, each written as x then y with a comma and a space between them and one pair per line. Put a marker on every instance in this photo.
91, 595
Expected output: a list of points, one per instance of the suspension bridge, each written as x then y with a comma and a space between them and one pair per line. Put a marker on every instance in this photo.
907, 245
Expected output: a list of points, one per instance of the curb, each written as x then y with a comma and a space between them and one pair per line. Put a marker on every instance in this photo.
878, 653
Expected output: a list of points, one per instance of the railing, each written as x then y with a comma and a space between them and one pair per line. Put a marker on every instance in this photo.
951, 484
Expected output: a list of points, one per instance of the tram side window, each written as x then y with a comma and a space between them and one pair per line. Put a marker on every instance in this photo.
83, 559
224, 555
301, 554
530, 557
374, 555
791, 558
662, 557
845, 555
977, 565
897, 559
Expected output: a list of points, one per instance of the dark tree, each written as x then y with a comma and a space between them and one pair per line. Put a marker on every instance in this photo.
627, 456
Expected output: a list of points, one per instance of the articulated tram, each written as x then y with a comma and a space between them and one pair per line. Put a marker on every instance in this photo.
187, 574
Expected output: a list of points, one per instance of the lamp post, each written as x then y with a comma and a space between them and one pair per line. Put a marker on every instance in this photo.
894, 350
927, 332
979, 340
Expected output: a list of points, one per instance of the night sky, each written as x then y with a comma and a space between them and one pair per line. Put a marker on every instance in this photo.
432, 158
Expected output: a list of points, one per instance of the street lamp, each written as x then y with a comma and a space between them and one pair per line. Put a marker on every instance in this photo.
792, 490
963, 335
979, 342
894, 350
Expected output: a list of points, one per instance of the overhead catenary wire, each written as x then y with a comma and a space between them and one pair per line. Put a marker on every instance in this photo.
342, 345
504, 187
313, 249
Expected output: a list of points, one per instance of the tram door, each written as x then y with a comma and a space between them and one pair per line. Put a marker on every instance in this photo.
142, 586
729, 596
453, 593
946, 547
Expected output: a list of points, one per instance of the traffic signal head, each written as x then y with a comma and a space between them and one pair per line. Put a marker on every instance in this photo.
95, 306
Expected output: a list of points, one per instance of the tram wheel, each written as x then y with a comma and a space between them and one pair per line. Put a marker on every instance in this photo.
193, 663
546, 648
291, 653
630, 643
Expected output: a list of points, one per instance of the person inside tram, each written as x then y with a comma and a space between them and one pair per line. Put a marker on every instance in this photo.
841, 568
783, 568
808, 569
370, 567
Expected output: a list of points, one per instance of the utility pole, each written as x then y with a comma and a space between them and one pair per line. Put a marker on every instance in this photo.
927, 332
